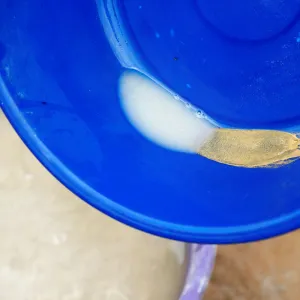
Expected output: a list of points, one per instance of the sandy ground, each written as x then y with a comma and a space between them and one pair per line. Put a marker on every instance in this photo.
56, 247
266, 270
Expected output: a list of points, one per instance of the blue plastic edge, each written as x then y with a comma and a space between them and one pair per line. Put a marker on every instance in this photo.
207, 235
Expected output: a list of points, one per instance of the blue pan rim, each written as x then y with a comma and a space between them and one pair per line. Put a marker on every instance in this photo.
193, 234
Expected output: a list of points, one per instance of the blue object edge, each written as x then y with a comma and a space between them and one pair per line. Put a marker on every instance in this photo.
207, 235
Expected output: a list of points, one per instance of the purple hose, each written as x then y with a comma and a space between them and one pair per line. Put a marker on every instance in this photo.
201, 264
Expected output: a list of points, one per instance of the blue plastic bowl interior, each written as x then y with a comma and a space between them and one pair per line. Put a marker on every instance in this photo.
239, 61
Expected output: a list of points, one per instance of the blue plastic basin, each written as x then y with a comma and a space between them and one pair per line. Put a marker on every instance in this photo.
238, 61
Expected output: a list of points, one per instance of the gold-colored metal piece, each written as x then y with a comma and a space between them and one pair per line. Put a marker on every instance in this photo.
251, 148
